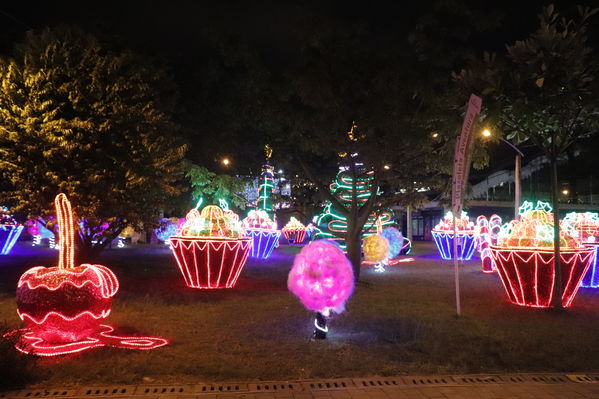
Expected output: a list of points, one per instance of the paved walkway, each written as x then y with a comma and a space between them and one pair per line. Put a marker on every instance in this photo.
520, 386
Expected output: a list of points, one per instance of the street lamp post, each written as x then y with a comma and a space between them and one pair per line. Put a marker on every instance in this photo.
517, 182
517, 166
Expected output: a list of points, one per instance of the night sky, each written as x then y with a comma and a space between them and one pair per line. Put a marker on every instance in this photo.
176, 32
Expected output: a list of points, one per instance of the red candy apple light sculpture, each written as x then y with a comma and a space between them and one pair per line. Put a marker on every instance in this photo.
525, 261
210, 249
63, 306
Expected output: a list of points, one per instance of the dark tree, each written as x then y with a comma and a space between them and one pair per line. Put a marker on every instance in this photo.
545, 92
94, 124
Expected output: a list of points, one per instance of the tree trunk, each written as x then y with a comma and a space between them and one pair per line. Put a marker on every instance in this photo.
354, 252
557, 284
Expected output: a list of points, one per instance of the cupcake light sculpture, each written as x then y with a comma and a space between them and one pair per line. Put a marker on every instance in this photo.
263, 231
587, 225
63, 306
443, 234
525, 259
210, 249
294, 231
10, 231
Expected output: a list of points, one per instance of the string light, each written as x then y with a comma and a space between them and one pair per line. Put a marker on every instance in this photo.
32, 343
294, 231
63, 306
210, 249
525, 259
331, 225
39, 232
443, 235
166, 229
587, 225
486, 236
398, 244
265, 190
10, 231
376, 249
263, 232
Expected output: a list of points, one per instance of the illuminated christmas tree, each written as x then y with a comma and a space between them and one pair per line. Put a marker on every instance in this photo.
267, 186
265, 191
332, 225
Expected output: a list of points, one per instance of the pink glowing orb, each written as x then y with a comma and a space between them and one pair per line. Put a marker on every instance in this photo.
321, 277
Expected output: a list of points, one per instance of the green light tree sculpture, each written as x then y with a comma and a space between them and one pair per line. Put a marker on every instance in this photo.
332, 223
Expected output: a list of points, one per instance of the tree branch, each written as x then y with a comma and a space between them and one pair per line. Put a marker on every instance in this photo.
324, 189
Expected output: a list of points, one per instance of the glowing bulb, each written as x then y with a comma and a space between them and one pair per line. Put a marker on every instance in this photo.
486, 133
226, 161
565, 192
435, 135
386, 167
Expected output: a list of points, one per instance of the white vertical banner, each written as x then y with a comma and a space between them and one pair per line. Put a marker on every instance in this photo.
461, 160
461, 170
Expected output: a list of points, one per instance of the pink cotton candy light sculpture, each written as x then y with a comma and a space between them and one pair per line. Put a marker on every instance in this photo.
323, 280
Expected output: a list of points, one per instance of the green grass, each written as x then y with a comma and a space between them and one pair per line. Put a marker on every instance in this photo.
398, 322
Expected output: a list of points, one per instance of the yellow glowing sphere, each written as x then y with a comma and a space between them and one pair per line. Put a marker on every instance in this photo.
486, 133
127, 232
226, 161
376, 248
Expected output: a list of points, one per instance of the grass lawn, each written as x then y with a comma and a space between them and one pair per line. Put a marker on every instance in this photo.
401, 321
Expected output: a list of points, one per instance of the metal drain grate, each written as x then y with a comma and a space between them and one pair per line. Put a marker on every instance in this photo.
476, 379
429, 380
513, 378
164, 390
106, 391
378, 382
45, 393
549, 379
341, 383
216, 388
275, 386
581, 378
593, 377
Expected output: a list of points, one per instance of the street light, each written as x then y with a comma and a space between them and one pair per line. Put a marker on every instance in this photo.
518, 162
226, 161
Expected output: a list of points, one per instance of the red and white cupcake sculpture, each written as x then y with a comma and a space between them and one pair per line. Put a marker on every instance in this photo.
294, 231
524, 258
210, 248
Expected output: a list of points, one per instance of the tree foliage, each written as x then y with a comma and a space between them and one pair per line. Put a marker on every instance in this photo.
213, 187
544, 91
358, 104
95, 124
